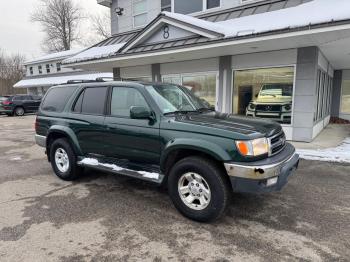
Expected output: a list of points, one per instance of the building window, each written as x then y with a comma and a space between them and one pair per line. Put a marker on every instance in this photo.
202, 85
194, 6
264, 93
345, 97
166, 5
31, 72
139, 12
58, 66
48, 68
40, 69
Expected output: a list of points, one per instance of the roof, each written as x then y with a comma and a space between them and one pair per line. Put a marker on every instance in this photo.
246, 21
53, 56
50, 81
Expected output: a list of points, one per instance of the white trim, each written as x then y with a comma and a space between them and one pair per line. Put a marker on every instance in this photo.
220, 44
159, 24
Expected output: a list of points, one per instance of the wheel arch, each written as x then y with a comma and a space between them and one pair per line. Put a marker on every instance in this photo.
176, 150
56, 132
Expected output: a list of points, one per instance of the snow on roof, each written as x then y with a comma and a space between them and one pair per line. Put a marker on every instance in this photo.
95, 52
310, 13
215, 27
50, 81
54, 56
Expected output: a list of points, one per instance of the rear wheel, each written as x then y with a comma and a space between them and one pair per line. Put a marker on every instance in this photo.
19, 111
199, 189
64, 160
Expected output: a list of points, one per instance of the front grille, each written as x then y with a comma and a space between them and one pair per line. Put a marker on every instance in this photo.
277, 143
268, 108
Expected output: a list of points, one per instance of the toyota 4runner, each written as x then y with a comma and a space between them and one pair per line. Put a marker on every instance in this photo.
164, 134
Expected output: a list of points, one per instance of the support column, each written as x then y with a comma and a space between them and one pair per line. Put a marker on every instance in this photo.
156, 77
305, 93
336, 93
225, 84
116, 72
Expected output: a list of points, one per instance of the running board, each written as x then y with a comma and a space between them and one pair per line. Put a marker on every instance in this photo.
122, 167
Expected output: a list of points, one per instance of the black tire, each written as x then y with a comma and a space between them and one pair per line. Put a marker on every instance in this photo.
19, 111
73, 170
215, 178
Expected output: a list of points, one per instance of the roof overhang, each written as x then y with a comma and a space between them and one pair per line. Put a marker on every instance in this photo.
328, 38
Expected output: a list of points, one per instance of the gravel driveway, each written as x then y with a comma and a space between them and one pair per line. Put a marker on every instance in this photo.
111, 218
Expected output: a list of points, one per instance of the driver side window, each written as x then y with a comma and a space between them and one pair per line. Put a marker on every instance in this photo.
123, 98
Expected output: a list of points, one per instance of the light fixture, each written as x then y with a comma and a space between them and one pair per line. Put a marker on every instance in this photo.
119, 11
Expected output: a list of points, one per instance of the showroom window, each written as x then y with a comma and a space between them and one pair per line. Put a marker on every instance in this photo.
345, 98
323, 95
265, 93
139, 12
202, 85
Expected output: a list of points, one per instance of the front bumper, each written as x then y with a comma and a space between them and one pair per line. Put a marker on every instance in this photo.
266, 175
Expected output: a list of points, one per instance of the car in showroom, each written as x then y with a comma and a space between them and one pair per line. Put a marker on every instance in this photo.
274, 101
19, 105
163, 133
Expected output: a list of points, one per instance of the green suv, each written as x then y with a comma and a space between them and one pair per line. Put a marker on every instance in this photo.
164, 134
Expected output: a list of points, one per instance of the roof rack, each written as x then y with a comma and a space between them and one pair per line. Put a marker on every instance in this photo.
102, 79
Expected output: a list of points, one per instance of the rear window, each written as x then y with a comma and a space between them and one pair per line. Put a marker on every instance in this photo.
57, 98
93, 101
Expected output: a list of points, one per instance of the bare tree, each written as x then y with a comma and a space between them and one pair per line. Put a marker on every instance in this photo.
11, 71
60, 22
101, 25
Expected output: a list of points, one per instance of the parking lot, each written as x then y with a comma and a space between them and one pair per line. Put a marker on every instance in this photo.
105, 217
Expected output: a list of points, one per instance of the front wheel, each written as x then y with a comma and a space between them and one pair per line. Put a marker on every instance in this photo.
199, 189
64, 160
19, 111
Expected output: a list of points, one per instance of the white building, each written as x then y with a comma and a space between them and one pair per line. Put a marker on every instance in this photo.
46, 71
231, 51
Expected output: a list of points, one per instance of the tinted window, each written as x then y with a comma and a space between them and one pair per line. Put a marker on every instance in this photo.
123, 98
57, 98
17, 98
187, 7
94, 100
213, 3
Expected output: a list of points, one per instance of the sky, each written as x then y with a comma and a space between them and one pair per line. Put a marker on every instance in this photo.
19, 35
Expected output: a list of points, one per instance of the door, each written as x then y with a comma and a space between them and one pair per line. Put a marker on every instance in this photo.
245, 95
136, 140
30, 104
87, 120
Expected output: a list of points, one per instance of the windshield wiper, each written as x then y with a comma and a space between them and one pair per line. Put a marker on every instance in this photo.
178, 112
204, 109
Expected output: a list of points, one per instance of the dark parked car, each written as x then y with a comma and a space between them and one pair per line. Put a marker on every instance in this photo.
20, 104
164, 134
2, 98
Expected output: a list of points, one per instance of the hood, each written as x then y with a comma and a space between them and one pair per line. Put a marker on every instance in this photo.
273, 100
229, 125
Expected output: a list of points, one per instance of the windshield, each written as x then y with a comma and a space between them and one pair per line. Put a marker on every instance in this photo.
276, 90
173, 98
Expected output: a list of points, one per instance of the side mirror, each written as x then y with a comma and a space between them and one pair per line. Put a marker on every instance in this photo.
140, 112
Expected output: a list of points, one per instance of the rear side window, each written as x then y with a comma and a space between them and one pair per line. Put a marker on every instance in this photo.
91, 101
57, 98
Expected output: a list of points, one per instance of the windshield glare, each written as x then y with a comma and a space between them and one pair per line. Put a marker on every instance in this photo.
276, 90
172, 98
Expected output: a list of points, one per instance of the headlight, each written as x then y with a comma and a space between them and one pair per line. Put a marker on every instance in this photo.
287, 107
254, 147
252, 106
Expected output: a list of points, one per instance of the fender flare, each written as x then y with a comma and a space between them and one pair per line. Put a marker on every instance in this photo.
209, 148
67, 132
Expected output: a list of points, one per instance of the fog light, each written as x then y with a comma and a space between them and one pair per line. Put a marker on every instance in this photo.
271, 181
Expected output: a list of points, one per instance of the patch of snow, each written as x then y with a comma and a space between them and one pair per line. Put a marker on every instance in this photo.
16, 158
95, 162
95, 52
50, 81
54, 56
340, 154
149, 174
